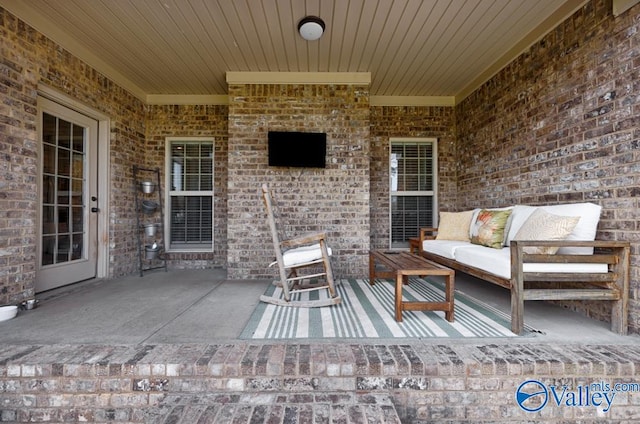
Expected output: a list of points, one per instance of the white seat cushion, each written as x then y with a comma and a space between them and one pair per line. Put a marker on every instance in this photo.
446, 248
302, 255
497, 262
494, 261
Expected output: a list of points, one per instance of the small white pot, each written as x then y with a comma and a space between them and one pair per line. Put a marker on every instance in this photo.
8, 312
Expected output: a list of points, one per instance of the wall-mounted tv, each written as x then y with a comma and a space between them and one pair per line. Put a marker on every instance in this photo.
297, 149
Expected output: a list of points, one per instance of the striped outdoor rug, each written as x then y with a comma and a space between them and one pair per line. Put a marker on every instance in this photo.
368, 312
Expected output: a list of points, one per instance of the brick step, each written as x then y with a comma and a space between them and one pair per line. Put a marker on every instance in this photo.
207, 408
427, 382
316, 407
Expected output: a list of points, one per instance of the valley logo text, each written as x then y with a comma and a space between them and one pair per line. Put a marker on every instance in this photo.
533, 395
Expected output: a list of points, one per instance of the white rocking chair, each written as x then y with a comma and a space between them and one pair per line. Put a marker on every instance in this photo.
294, 254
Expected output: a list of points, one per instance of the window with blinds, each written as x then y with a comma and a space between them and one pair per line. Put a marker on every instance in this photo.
412, 187
190, 199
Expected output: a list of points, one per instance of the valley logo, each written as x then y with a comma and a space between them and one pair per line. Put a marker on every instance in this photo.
533, 395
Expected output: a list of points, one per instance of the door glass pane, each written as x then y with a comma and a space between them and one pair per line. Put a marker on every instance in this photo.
48, 250
63, 190
77, 223
64, 134
48, 220
49, 159
78, 139
64, 162
64, 245
76, 247
63, 185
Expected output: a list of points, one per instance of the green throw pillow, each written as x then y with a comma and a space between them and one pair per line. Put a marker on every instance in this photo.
488, 228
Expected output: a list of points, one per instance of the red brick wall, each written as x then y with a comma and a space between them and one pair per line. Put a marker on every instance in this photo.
334, 199
560, 124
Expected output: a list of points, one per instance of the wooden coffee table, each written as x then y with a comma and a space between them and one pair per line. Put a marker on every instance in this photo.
400, 265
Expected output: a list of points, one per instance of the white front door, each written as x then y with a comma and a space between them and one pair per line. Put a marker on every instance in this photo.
68, 194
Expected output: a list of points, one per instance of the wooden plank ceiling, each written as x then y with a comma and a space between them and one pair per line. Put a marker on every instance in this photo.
185, 47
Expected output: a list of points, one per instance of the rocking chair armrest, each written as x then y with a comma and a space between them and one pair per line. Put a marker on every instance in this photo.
305, 239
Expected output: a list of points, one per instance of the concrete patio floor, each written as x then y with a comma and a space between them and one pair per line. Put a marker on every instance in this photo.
164, 348
202, 306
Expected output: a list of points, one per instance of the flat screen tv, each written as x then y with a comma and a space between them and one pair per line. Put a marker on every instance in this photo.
297, 149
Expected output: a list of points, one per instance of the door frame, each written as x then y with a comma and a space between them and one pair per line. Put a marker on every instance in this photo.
104, 176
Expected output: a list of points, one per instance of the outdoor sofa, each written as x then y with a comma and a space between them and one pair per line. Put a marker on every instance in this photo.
537, 252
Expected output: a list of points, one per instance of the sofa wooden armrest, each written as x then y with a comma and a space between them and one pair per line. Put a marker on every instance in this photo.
612, 285
426, 233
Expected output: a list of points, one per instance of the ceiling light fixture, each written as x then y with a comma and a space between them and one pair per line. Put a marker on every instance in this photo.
311, 28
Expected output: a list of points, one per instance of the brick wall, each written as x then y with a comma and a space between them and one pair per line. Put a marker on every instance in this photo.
556, 125
388, 122
194, 121
428, 382
334, 199
27, 59
559, 124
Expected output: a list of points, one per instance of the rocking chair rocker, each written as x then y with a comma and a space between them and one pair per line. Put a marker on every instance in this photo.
294, 254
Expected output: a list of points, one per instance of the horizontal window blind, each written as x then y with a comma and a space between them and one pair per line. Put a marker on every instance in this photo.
412, 180
191, 194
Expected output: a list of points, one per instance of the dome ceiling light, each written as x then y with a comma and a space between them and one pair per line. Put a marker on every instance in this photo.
311, 28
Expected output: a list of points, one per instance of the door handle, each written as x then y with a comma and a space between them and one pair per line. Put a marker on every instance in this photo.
95, 210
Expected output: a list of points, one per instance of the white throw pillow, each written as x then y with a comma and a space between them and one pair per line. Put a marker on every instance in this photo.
542, 225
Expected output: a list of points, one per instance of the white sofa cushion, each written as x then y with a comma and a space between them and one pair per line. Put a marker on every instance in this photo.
543, 225
494, 261
497, 262
445, 248
586, 227
519, 216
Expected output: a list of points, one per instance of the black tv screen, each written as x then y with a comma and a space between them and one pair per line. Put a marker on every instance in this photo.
297, 149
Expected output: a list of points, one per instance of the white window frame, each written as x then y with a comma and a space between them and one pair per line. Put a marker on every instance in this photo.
433, 193
170, 193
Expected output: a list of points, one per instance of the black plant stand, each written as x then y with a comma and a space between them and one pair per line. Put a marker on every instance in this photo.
146, 195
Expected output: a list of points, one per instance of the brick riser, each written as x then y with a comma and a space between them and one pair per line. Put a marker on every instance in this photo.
296, 382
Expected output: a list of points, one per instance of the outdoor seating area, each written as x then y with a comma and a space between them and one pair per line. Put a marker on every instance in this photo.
537, 253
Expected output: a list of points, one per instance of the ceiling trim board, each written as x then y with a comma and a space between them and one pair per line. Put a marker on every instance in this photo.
412, 101
299, 78
187, 99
